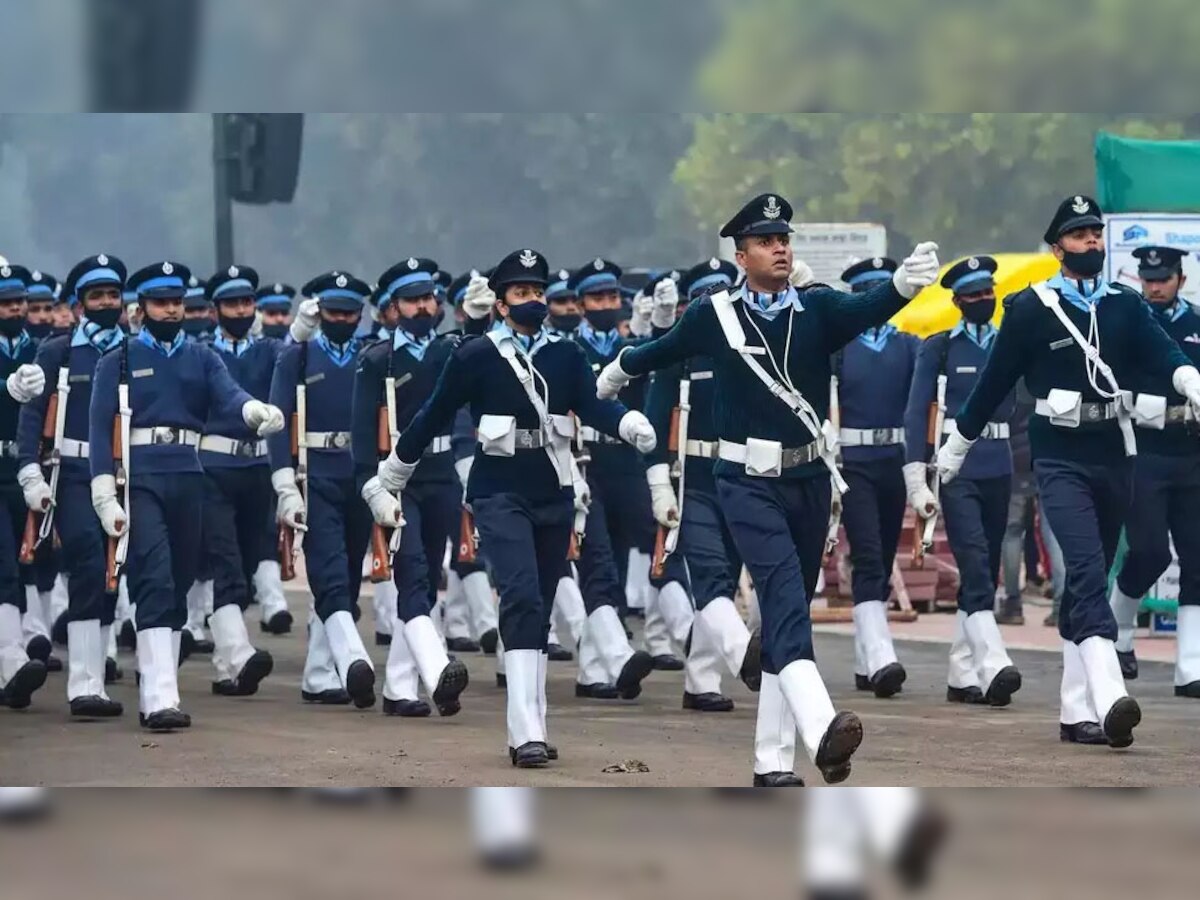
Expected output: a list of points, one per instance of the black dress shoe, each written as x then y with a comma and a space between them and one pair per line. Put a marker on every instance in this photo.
203, 647
888, 681
187, 645
636, 668
488, 641
407, 709
532, 755
551, 752
1122, 718
112, 671
501, 680
95, 707
461, 645
920, 844
1191, 690
751, 672
862, 682
838, 744
513, 858
127, 636
778, 779
333, 697
165, 720
280, 623
27, 679
39, 648
971, 695
53, 663
58, 631
558, 653
257, 668
1082, 733
452, 682
667, 662
382, 639
360, 684
1006, 683
598, 691
1129, 665
709, 702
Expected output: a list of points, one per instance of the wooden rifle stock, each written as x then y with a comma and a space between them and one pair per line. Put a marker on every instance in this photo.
384, 436
287, 559
573, 547
918, 542
111, 575
466, 537
33, 523
659, 560
381, 567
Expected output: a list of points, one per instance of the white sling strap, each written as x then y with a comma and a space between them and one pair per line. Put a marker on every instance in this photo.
735, 336
1093, 363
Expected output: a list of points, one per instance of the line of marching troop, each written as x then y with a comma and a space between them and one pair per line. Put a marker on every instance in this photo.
176, 446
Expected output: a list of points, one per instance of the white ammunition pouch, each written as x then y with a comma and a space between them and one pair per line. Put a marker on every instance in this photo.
1150, 411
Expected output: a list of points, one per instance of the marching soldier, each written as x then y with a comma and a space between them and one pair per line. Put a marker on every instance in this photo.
1166, 480
873, 374
69, 362
335, 522
395, 377
20, 676
151, 399
975, 505
274, 303
1078, 340
521, 384
39, 321
199, 316
770, 345
564, 316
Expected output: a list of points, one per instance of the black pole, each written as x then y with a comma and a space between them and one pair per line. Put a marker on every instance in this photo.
223, 204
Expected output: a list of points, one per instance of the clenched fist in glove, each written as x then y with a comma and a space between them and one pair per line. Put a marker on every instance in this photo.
662, 496
916, 483
639, 321
1186, 380
27, 382
919, 270
953, 454
290, 509
34, 487
636, 429
262, 417
479, 298
108, 510
384, 506
307, 321
802, 274
666, 301
611, 379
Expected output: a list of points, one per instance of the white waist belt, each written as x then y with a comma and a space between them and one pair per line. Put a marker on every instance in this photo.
215, 443
701, 449
592, 436
73, 449
871, 437
439, 444
163, 434
790, 457
993, 431
327, 440
1089, 413
8, 448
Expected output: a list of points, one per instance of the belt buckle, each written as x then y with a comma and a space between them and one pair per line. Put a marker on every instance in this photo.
246, 449
164, 435
1093, 412
879, 436
524, 439
339, 440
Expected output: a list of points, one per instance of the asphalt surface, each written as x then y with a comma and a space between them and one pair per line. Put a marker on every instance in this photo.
273, 739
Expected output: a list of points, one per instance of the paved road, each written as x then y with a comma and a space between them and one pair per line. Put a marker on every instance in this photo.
274, 739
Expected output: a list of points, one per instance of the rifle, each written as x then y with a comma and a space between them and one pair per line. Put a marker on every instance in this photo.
38, 523
118, 548
923, 536
835, 506
667, 539
582, 460
381, 566
289, 540
468, 537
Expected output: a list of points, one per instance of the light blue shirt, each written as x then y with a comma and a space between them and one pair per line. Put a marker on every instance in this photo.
876, 338
1070, 290
90, 334
770, 305
603, 342
531, 344
342, 355
415, 346
237, 348
165, 349
981, 335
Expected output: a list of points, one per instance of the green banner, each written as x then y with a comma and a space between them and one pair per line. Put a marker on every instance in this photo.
1134, 175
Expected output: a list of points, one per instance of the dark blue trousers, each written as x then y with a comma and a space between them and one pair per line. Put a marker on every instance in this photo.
1085, 506
1165, 506
431, 515
873, 514
526, 545
238, 534
628, 517
779, 527
11, 590
975, 511
164, 545
339, 529
600, 579
708, 548
42, 570
84, 547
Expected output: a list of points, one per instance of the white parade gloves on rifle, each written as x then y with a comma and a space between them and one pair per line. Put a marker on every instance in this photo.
952, 454
579, 485
307, 321
916, 483
290, 509
479, 298
262, 417
463, 468
108, 510
393, 474
662, 496
919, 270
801, 275
385, 507
1186, 380
665, 303
34, 487
27, 382
635, 429
612, 378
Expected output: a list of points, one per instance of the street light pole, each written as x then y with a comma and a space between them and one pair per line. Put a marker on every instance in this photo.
222, 202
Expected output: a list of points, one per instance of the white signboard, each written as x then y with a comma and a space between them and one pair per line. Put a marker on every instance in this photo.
830, 247
1125, 232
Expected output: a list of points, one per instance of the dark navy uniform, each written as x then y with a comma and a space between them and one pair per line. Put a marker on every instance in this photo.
1166, 486
1081, 438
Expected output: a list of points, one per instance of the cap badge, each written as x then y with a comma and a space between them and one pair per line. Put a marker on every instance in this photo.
563, 274
877, 263
102, 259
278, 288
167, 268
674, 275
772, 210
5, 271
412, 263
36, 275
972, 263
341, 281
1152, 258
528, 259
233, 271
1080, 205
714, 264
598, 265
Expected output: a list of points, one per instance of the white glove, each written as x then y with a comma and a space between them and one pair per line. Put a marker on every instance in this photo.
1186, 380
263, 417
33, 485
952, 454
636, 429
802, 274
27, 382
394, 474
611, 379
583, 494
919, 270
639, 322
384, 506
662, 496
916, 483
307, 321
666, 301
104, 501
479, 298
290, 509
463, 468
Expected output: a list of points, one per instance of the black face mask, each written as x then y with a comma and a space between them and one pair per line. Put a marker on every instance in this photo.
106, 318
980, 312
197, 327
419, 326
39, 330
567, 321
237, 326
603, 319
10, 328
279, 330
59, 331
1087, 264
338, 332
162, 330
